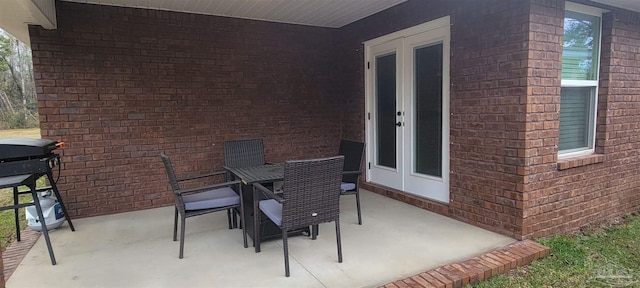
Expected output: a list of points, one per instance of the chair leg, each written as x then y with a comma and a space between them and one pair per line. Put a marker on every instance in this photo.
182, 222
358, 205
339, 241
175, 225
315, 230
229, 218
234, 217
285, 245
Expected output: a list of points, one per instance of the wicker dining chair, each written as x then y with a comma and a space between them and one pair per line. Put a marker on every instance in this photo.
202, 200
353, 153
310, 196
243, 153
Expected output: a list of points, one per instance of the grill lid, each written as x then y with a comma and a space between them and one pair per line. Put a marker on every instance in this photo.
16, 148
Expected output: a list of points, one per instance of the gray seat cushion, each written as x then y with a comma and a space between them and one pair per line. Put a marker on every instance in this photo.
211, 199
344, 186
273, 210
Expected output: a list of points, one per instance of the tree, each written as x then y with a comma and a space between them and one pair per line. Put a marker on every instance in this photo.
5, 53
18, 101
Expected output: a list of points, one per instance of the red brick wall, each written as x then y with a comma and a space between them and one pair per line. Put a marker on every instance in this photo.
620, 88
565, 194
488, 76
542, 104
119, 85
488, 83
505, 95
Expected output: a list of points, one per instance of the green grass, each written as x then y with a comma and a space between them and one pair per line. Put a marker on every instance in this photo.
20, 133
7, 218
607, 256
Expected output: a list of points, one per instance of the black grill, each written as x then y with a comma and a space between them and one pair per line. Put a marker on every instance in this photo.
22, 162
27, 156
21, 148
21, 156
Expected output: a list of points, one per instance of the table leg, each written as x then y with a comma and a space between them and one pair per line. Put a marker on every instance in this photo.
256, 219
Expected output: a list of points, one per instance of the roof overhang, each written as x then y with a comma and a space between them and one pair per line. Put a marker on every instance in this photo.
15, 15
321, 13
633, 5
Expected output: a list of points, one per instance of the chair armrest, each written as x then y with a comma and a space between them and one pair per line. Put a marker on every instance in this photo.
201, 176
207, 188
268, 192
351, 172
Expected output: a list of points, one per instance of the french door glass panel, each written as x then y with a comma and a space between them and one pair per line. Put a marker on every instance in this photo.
386, 110
428, 110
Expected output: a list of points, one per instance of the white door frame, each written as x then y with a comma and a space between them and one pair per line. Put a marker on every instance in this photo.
441, 28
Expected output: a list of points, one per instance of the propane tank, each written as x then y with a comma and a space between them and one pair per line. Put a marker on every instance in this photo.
53, 214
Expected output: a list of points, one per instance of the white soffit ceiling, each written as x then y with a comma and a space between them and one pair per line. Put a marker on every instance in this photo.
633, 5
323, 13
15, 15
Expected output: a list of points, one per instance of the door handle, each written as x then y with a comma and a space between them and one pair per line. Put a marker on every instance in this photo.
399, 124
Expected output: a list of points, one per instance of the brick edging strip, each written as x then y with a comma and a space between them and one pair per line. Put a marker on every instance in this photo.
13, 255
476, 269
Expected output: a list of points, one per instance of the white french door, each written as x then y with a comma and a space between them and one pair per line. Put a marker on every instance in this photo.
407, 87
386, 66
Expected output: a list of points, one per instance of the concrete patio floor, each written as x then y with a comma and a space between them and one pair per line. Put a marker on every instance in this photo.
135, 249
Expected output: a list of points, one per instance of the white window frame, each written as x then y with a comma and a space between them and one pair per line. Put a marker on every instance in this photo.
590, 149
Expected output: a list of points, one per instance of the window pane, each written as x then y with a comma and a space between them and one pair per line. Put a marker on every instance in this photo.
575, 117
386, 109
428, 110
580, 47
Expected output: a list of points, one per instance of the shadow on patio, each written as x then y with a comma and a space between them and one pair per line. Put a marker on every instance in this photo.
135, 249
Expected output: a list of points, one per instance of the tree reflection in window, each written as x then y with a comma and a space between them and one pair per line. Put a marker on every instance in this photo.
580, 47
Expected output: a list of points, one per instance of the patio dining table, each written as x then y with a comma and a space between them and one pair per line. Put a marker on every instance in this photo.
267, 173
258, 174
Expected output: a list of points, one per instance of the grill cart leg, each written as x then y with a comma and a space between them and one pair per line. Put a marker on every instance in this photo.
57, 194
